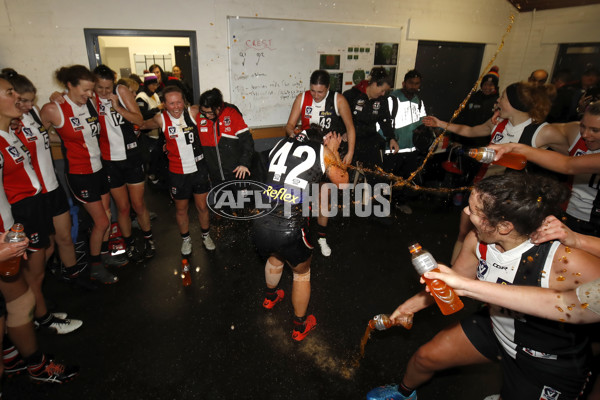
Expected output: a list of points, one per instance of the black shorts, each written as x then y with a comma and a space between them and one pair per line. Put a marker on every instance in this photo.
88, 188
56, 201
526, 377
129, 171
32, 213
273, 236
184, 185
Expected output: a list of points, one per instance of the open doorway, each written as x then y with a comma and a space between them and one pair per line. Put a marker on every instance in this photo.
128, 51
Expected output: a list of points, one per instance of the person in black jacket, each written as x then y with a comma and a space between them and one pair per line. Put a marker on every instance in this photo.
368, 104
225, 137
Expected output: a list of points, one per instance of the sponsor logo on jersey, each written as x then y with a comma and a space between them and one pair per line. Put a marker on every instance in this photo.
91, 120
203, 122
241, 199
308, 111
228, 129
549, 394
227, 121
203, 129
498, 266
14, 153
29, 135
482, 270
172, 131
325, 114
281, 194
360, 102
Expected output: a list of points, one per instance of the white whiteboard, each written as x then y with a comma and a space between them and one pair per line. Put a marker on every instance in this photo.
270, 61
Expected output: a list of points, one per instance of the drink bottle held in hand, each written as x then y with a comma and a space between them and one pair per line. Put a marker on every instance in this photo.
382, 322
444, 295
509, 160
15, 235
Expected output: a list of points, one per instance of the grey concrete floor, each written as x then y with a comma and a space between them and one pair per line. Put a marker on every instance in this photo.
147, 337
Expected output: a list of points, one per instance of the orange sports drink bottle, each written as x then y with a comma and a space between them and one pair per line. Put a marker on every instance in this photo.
185, 272
444, 295
11, 267
508, 160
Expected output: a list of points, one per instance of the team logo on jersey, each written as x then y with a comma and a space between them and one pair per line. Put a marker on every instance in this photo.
578, 153
14, 153
549, 394
173, 190
227, 121
102, 111
29, 135
482, 270
76, 123
85, 194
34, 238
241, 199
376, 105
498, 137
172, 131
308, 111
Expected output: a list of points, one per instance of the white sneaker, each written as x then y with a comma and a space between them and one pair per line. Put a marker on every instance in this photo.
492, 397
325, 249
186, 246
208, 242
60, 315
61, 326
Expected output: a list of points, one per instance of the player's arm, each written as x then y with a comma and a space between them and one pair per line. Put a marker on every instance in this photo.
552, 137
152, 123
334, 168
465, 265
462, 130
131, 112
346, 115
545, 303
551, 160
294, 116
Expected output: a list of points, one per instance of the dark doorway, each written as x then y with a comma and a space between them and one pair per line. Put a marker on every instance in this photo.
576, 58
184, 61
449, 71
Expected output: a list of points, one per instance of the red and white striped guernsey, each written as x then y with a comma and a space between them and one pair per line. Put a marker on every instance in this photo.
79, 130
19, 178
117, 135
35, 137
182, 143
6, 218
